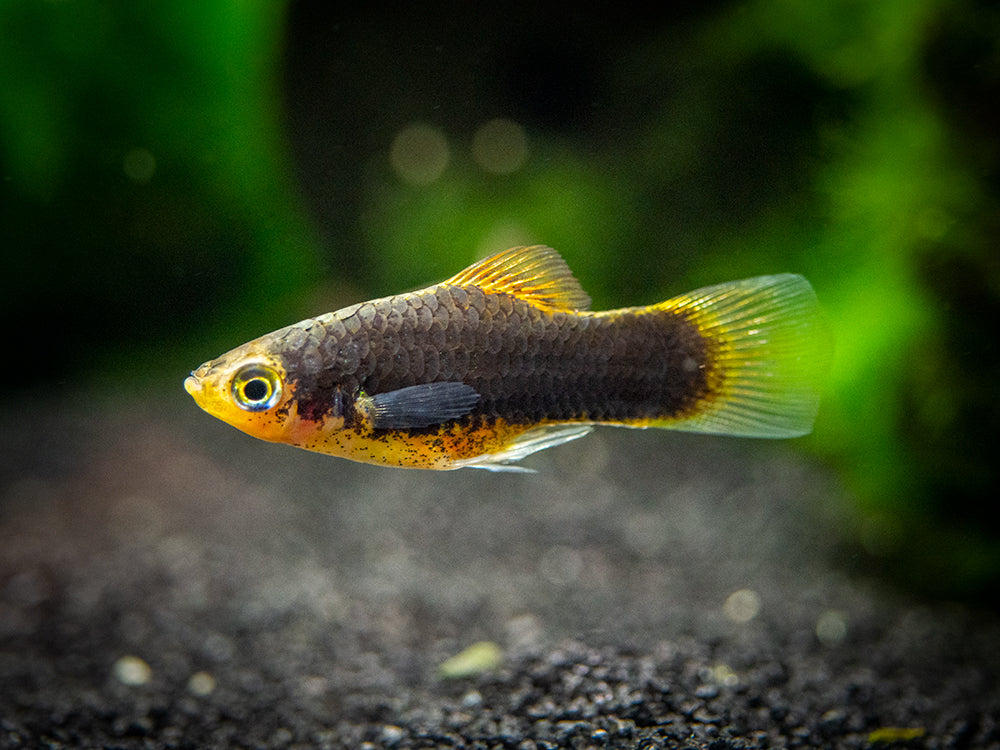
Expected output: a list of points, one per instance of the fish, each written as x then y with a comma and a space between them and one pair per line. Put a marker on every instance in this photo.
506, 358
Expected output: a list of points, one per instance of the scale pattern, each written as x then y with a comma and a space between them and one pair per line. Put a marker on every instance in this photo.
529, 364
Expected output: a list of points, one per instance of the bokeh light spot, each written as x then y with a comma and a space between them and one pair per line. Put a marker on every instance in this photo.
742, 606
500, 146
201, 683
131, 670
831, 627
419, 154
139, 165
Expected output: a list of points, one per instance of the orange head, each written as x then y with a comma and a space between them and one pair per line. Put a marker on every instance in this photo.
246, 388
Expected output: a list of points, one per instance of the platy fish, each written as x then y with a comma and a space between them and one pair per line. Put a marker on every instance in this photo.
505, 359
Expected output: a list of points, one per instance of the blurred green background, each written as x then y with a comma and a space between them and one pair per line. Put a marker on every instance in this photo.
181, 176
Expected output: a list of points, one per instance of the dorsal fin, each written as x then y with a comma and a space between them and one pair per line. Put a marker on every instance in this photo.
536, 274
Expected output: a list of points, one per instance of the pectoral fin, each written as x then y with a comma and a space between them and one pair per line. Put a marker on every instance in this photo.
421, 405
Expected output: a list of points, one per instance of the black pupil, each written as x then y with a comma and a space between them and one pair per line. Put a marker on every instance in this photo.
256, 389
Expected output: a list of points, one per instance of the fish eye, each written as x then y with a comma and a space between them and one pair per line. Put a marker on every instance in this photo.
256, 387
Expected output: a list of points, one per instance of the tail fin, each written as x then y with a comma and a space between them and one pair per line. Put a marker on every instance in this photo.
773, 349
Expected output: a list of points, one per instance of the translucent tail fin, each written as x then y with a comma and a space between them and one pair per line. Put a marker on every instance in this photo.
772, 350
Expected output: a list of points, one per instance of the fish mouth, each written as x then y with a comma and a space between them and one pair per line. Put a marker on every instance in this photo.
192, 384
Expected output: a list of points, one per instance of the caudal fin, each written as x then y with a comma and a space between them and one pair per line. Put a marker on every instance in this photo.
772, 350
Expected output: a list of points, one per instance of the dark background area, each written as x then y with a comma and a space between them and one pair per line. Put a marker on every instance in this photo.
179, 178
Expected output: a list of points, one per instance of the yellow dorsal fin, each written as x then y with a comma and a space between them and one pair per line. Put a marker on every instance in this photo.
536, 274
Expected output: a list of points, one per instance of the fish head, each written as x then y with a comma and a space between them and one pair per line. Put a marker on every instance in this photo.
247, 388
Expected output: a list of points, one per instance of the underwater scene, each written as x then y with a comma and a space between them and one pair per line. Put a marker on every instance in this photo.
449, 252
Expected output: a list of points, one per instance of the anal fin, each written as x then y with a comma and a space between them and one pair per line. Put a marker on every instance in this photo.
528, 442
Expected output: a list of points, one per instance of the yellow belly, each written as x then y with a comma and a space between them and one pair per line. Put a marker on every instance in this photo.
418, 449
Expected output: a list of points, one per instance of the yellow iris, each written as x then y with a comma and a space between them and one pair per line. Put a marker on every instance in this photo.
256, 387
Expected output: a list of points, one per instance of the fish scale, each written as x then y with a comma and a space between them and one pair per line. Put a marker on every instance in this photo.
606, 368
